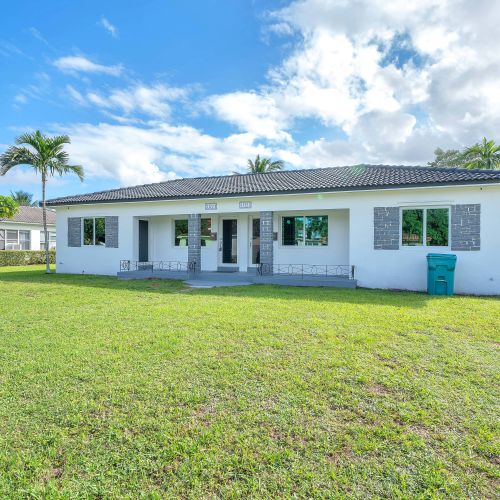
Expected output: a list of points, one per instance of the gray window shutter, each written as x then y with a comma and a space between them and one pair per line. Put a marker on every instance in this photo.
2, 239
112, 232
74, 232
466, 227
386, 228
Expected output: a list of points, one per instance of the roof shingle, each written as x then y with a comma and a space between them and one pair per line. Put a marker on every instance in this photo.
31, 215
289, 181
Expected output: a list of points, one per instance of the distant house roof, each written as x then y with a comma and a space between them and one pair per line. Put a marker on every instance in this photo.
31, 215
359, 177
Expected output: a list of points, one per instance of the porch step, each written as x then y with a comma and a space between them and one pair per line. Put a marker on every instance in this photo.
228, 269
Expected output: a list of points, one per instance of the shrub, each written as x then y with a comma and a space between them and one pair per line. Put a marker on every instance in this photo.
25, 257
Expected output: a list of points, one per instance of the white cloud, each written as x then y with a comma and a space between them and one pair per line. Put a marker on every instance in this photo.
36, 34
76, 96
134, 155
398, 78
150, 100
80, 64
250, 112
110, 28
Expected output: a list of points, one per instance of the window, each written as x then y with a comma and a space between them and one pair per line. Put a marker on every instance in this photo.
12, 239
52, 240
206, 231
181, 232
24, 240
94, 231
425, 227
310, 230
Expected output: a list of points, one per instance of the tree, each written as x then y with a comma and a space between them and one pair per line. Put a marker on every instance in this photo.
448, 158
23, 198
8, 207
261, 165
483, 155
46, 155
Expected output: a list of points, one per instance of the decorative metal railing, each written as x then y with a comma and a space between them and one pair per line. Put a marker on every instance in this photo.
158, 265
304, 270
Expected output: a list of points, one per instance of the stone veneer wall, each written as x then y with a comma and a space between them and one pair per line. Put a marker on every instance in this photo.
74, 232
266, 241
386, 228
466, 227
194, 241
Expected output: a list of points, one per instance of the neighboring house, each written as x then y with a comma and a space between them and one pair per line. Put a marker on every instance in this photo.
381, 219
25, 230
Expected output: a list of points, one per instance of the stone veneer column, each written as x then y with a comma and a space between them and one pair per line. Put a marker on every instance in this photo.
266, 242
194, 242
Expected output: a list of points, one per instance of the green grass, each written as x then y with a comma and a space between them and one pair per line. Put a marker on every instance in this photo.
112, 388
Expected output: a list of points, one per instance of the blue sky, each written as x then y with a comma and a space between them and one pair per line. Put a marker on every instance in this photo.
154, 90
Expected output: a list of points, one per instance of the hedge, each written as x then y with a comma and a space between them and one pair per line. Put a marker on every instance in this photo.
25, 257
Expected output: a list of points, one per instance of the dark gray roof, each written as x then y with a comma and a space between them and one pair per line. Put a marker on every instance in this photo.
289, 181
31, 215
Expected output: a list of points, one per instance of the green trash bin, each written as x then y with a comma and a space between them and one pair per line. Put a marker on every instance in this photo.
441, 273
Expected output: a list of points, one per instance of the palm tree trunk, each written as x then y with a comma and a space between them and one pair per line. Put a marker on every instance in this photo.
44, 213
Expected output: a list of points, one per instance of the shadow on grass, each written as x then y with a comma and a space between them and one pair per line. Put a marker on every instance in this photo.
317, 294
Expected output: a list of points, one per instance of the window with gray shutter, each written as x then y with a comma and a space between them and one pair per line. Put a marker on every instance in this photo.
386, 228
74, 232
112, 232
466, 227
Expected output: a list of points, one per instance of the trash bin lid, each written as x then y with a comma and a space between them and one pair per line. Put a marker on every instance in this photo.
442, 256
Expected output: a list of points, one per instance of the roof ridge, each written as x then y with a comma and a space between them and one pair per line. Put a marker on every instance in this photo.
208, 177
289, 180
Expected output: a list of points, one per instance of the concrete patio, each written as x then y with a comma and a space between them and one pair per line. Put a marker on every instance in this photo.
211, 279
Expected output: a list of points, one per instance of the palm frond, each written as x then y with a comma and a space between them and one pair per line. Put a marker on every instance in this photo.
15, 156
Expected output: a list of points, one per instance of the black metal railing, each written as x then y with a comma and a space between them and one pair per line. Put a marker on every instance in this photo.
158, 265
304, 270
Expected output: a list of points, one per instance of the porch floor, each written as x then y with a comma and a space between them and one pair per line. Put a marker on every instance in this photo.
211, 279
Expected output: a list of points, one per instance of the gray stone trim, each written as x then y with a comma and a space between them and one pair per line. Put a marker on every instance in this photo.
194, 242
266, 241
386, 226
74, 232
466, 227
111, 225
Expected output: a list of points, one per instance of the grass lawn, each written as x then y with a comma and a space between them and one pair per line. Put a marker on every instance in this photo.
114, 388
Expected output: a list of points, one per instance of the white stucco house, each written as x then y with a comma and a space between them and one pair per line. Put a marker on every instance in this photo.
378, 221
25, 230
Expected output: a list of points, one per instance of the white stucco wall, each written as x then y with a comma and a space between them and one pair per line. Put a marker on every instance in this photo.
350, 235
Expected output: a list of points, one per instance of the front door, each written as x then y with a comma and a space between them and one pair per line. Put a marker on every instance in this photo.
143, 241
229, 241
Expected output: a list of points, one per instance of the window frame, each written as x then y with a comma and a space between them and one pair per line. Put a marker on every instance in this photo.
83, 244
6, 240
52, 242
304, 217
424, 244
211, 219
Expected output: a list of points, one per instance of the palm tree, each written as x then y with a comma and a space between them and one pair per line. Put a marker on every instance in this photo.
47, 157
23, 198
483, 155
261, 165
